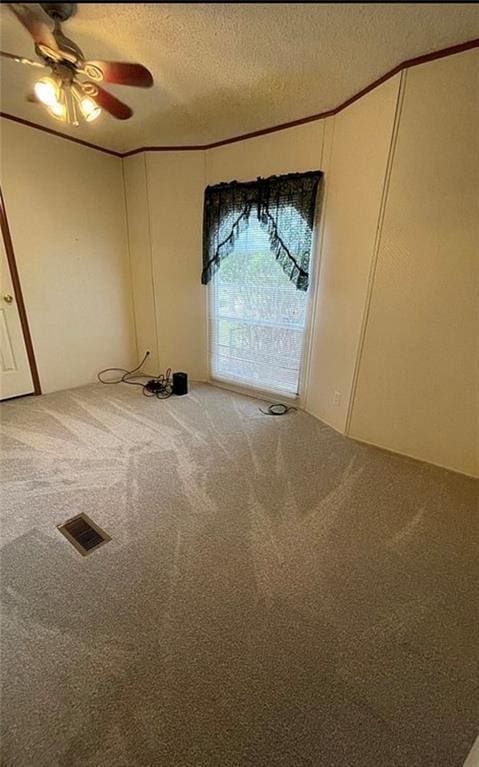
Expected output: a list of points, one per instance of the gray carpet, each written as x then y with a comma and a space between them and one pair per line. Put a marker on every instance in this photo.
274, 594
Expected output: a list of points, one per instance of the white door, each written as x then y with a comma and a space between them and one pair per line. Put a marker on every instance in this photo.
15, 375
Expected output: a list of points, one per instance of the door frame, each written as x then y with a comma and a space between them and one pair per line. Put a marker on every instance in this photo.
17, 289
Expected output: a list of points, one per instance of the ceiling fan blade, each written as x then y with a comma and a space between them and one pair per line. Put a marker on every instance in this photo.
120, 73
21, 60
40, 32
108, 102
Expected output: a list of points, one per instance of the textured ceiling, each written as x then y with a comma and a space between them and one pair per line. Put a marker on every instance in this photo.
225, 69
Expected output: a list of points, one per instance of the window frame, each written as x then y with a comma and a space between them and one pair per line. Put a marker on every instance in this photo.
276, 394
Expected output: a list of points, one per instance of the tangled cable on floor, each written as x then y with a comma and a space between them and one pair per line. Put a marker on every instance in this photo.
277, 408
160, 386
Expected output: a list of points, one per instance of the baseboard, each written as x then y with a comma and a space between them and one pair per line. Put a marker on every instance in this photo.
326, 422
391, 450
411, 457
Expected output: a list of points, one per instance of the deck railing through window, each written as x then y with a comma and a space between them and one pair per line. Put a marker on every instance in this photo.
257, 318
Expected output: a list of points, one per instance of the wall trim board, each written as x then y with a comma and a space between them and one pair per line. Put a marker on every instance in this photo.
153, 289
407, 64
177, 148
7, 238
130, 267
327, 145
206, 300
377, 244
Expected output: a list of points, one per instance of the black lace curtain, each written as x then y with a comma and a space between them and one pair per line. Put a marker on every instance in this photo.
284, 205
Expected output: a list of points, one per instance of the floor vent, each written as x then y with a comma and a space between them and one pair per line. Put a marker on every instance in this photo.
83, 534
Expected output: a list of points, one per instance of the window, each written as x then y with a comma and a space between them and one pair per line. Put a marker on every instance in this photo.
257, 317
256, 251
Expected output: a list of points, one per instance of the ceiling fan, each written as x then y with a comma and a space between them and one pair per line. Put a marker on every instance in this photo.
72, 89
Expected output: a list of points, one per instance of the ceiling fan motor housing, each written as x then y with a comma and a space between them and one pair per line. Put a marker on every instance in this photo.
61, 11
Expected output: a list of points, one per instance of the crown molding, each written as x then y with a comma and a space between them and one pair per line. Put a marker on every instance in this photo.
53, 132
407, 64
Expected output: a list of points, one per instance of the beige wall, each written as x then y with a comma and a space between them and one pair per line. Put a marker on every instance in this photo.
293, 150
165, 213
175, 183
134, 173
65, 205
164, 192
361, 138
394, 325
394, 252
417, 384
287, 151
407, 392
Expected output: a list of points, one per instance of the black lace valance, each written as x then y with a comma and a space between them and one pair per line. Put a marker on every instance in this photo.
285, 205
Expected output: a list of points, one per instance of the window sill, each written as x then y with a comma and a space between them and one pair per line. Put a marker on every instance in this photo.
270, 395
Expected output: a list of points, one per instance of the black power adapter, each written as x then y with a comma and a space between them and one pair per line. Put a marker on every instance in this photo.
157, 386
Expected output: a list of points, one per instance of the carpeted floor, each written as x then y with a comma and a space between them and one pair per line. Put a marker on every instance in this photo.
274, 594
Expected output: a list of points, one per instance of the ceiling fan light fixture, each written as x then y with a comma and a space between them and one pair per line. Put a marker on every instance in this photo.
47, 91
58, 110
89, 109
93, 72
64, 93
